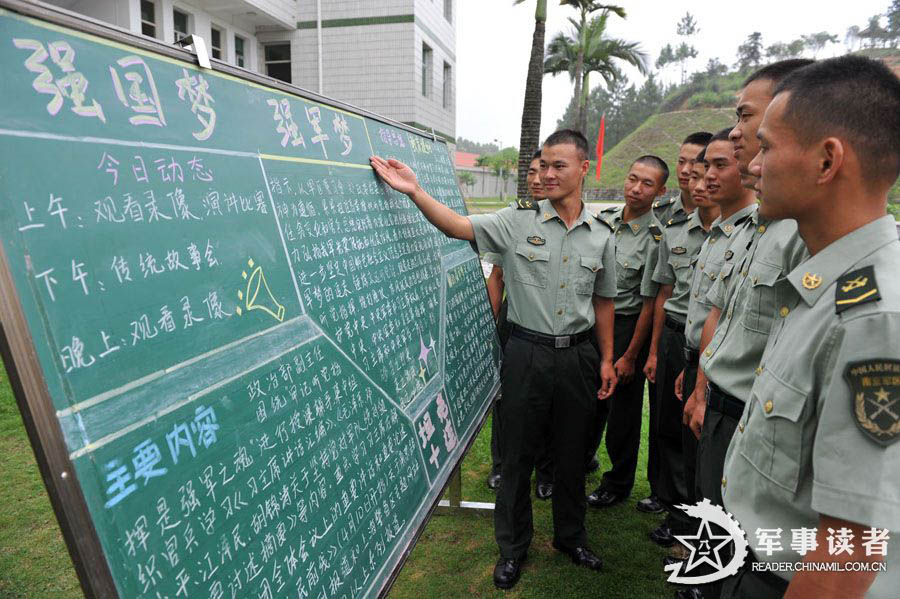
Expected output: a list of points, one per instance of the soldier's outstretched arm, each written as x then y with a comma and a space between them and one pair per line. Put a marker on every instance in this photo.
402, 178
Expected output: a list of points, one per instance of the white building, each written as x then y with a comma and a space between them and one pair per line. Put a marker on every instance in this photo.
396, 58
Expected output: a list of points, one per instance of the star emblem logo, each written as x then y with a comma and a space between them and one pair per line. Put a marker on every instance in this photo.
705, 547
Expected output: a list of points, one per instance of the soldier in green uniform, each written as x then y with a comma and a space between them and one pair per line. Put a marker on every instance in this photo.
816, 448
677, 255
670, 212
637, 236
559, 263
543, 462
664, 209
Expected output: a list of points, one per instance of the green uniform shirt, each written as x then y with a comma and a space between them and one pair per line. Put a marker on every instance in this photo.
493, 258
706, 271
819, 434
677, 252
750, 302
550, 272
636, 246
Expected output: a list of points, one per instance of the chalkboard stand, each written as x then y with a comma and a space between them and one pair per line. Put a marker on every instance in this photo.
454, 503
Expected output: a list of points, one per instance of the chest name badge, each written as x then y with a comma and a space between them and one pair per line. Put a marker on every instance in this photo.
679, 250
535, 240
875, 398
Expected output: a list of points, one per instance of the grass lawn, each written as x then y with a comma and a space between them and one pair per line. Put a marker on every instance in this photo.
454, 557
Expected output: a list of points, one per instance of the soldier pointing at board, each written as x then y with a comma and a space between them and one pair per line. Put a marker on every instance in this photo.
560, 261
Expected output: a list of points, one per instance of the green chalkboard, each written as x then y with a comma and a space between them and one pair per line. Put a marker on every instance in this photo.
246, 366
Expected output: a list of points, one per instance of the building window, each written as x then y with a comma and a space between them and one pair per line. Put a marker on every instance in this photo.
426, 70
181, 24
448, 10
148, 18
278, 61
448, 85
239, 51
215, 42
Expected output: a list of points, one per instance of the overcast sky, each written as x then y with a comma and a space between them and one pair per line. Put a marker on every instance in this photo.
493, 43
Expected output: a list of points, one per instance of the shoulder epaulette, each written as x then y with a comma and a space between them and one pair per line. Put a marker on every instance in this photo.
526, 205
610, 209
597, 216
655, 231
663, 203
677, 219
854, 288
742, 220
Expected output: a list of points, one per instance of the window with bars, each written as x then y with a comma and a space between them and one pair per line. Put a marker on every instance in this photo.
181, 22
215, 42
278, 61
148, 18
426, 70
239, 56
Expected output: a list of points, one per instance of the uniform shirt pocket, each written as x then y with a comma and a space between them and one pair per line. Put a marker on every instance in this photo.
586, 274
532, 265
628, 274
760, 304
772, 438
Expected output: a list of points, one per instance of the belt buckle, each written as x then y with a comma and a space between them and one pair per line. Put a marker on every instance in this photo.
562, 342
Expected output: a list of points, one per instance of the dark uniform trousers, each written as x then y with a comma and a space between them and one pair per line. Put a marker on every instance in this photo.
621, 414
543, 460
541, 384
671, 486
688, 441
723, 412
747, 584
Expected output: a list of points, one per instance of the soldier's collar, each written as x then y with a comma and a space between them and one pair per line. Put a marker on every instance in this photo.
693, 220
730, 224
818, 273
636, 225
547, 212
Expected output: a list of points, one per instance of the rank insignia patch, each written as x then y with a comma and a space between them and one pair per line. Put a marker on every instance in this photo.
679, 250
875, 398
656, 232
857, 287
526, 205
535, 240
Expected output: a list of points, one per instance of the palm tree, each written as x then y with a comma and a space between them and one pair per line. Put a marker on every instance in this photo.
585, 8
599, 55
531, 111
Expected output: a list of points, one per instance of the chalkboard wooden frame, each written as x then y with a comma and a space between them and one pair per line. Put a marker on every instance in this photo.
19, 354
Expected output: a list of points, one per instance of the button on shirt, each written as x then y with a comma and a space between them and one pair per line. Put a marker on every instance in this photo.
706, 271
635, 259
747, 294
550, 271
803, 447
677, 251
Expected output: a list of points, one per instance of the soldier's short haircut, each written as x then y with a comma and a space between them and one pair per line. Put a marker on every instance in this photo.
850, 97
536, 155
720, 135
657, 163
701, 158
777, 71
569, 136
699, 138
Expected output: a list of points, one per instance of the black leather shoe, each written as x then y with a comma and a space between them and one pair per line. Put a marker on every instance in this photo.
650, 505
493, 481
691, 593
662, 536
603, 498
592, 466
544, 491
670, 560
581, 556
506, 572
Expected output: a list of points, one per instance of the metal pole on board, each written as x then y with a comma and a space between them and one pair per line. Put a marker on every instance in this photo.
454, 503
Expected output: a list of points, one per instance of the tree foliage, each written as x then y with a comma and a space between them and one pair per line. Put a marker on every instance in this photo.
750, 52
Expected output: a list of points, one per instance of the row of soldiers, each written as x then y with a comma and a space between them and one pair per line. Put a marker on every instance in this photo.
770, 347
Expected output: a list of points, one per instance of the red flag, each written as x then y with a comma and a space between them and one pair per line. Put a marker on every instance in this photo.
600, 145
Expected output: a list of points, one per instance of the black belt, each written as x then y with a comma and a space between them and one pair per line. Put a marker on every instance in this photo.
692, 357
720, 401
555, 341
673, 324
